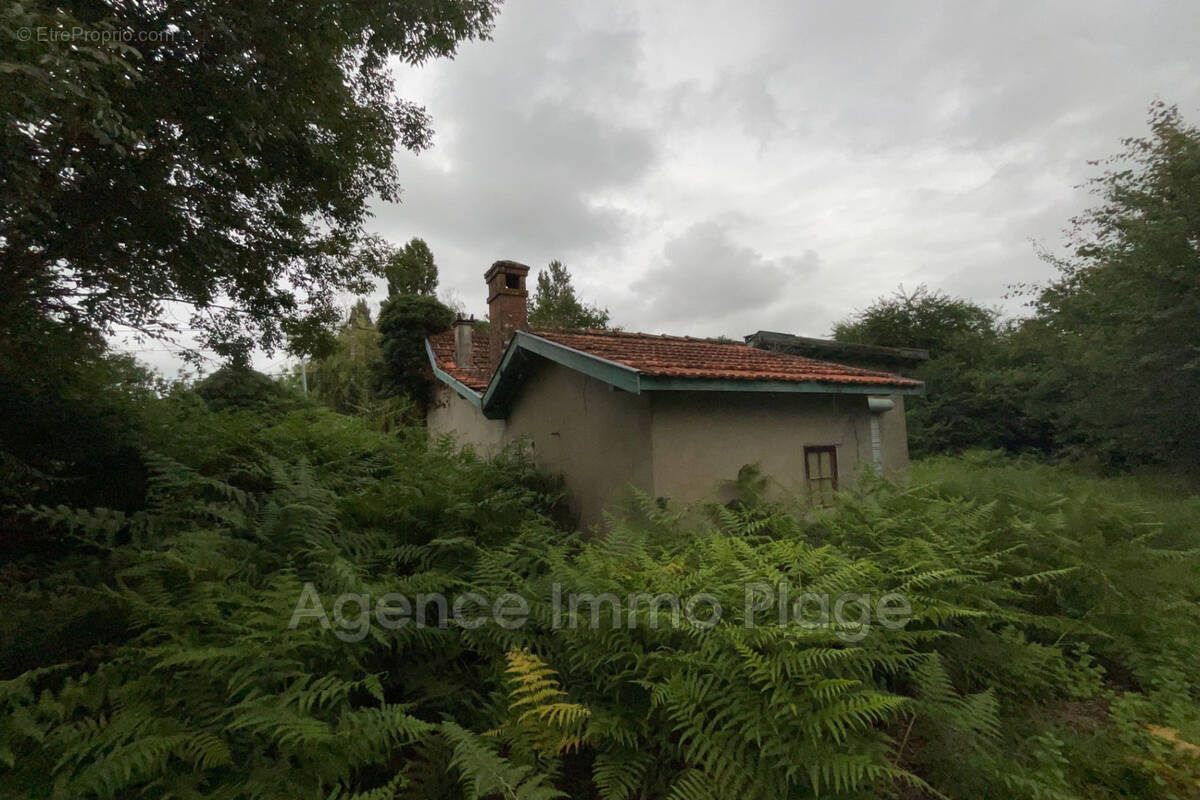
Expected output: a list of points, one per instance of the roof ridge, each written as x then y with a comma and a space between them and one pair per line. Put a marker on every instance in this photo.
642, 334
665, 355
769, 354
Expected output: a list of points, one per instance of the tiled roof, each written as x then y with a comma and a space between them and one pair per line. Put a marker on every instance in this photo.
475, 375
685, 357
674, 356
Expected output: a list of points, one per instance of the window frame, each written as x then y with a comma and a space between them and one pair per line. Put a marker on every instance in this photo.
813, 482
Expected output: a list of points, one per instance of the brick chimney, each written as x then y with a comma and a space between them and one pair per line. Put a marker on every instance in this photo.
506, 305
464, 349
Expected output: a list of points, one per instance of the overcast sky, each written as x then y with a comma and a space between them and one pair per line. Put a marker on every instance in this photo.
719, 168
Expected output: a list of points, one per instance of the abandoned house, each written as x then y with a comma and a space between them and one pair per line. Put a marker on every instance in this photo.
674, 416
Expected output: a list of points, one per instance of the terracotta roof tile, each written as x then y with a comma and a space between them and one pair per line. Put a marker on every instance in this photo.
674, 356
685, 357
474, 375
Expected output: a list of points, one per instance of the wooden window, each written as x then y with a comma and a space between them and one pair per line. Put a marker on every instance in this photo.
820, 470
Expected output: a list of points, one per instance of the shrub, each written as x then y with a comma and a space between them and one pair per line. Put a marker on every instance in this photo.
1046, 635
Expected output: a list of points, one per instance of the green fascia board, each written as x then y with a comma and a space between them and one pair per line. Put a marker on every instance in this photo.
503, 383
509, 373
469, 394
650, 383
611, 372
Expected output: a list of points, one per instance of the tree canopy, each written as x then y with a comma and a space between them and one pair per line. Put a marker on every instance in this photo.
931, 320
1119, 328
555, 305
405, 320
1107, 365
344, 380
964, 406
237, 386
223, 160
411, 269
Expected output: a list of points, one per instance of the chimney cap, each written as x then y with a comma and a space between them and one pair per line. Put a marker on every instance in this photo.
506, 267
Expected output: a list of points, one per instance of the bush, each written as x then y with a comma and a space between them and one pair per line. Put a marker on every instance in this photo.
237, 386
1047, 635
405, 320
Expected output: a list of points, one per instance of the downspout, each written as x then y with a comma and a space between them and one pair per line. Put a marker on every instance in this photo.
878, 407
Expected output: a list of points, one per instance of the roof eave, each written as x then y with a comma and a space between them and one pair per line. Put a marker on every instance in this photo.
496, 399
469, 394
508, 372
673, 384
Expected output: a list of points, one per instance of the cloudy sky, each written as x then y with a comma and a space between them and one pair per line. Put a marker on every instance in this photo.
717, 168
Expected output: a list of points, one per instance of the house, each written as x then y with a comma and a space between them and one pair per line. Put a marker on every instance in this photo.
888, 427
675, 416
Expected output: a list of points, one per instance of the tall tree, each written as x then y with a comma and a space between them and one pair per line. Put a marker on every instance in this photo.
344, 380
1117, 335
218, 154
555, 305
967, 402
411, 270
932, 320
405, 320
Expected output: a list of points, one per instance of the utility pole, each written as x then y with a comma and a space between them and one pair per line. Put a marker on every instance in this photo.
304, 376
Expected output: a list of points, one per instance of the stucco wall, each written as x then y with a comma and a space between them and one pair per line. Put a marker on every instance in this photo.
701, 439
451, 413
596, 437
683, 445
894, 433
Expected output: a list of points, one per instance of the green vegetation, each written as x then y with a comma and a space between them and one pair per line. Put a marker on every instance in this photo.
225, 161
148, 652
345, 380
411, 270
966, 405
555, 305
404, 323
1122, 320
198, 582
369, 366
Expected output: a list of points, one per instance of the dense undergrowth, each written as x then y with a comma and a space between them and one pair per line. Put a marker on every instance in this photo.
1050, 651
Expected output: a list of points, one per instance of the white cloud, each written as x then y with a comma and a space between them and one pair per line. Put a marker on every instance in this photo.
681, 157
705, 279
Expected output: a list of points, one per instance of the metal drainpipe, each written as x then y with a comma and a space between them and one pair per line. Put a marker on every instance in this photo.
878, 406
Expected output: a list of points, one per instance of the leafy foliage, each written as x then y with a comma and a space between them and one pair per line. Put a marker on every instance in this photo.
1122, 321
345, 379
237, 386
554, 304
404, 323
69, 431
969, 402
411, 270
542, 717
220, 155
1106, 368
1049, 629
930, 320
208, 692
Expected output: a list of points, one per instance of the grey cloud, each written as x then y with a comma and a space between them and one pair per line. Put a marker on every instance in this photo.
927, 142
682, 157
741, 96
705, 274
522, 175
528, 148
